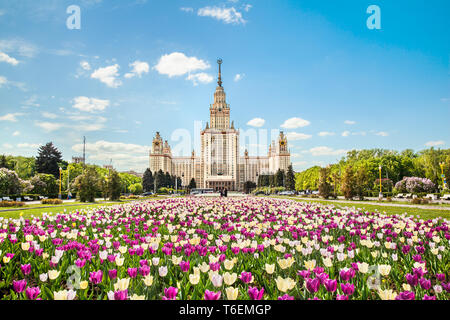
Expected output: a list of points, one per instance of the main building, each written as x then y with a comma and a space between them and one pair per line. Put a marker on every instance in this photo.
219, 163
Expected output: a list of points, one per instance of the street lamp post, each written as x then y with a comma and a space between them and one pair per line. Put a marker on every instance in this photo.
380, 196
60, 171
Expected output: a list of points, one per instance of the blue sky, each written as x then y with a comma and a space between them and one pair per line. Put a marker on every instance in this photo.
310, 68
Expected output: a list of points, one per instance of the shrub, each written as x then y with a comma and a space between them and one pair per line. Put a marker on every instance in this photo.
51, 201
9, 182
415, 185
44, 184
11, 204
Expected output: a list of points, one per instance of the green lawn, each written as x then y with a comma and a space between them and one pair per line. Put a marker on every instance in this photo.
423, 213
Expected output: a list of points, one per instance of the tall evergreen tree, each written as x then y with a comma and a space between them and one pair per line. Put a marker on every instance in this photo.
48, 160
192, 184
290, 178
114, 186
279, 178
324, 184
147, 181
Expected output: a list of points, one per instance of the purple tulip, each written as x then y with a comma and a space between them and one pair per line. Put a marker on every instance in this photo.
440, 277
313, 285
132, 272
427, 297
255, 294
339, 297
145, 270
348, 288
112, 274
246, 277
413, 280
26, 268
96, 276
121, 295
20, 285
304, 273
330, 285
170, 293
32, 292
425, 284
346, 275
406, 295
184, 265
210, 295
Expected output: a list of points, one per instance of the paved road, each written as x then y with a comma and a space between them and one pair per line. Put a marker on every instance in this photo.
386, 204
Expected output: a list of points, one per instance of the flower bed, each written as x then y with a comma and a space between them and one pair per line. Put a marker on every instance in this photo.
251, 248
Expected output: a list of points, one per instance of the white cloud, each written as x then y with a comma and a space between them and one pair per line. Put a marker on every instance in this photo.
345, 133
326, 133
256, 122
435, 143
7, 146
49, 115
187, 9
138, 68
19, 47
124, 155
5, 82
49, 126
108, 76
382, 134
350, 122
6, 58
300, 163
90, 104
178, 64
85, 65
238, 77
28, 145
247, 7
200, 77
227, 15
12, 117
293, 136
326, 151
294, 123
16, 133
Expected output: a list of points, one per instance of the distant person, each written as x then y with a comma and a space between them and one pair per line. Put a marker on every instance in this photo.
225, 192
221, 192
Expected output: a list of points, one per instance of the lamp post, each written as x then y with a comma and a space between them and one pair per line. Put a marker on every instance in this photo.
182, 180
444, 182
380, 196
60, 171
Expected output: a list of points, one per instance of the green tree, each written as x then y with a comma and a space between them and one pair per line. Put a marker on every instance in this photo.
147, 181
48, 160
192, 184
290, 178
324, 183
114, 186
136, 188
362, 182
248, 186
279, 178
348, 183
45, 184
88, 185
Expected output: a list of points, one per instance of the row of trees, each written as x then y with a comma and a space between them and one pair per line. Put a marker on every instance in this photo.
40, 176
161, 179
357, 174
279, 179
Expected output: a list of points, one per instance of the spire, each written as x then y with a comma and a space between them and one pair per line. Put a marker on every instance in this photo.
219, 81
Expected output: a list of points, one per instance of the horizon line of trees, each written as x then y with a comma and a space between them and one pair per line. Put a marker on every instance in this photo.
357, 173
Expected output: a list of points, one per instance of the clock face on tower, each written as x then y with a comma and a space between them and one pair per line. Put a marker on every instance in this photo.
156, 144
282, 143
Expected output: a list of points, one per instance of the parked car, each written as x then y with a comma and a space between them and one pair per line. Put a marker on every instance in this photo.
147, 194
287, 193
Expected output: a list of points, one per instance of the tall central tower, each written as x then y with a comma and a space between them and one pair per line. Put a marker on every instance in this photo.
219, 111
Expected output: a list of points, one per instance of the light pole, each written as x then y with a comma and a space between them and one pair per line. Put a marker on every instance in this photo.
444, 182
176, 184
60, 170
182, 180
380, 196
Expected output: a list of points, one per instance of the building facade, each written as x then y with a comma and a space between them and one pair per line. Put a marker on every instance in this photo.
219, 163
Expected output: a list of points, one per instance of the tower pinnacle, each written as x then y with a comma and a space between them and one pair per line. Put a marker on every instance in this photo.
219, 82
